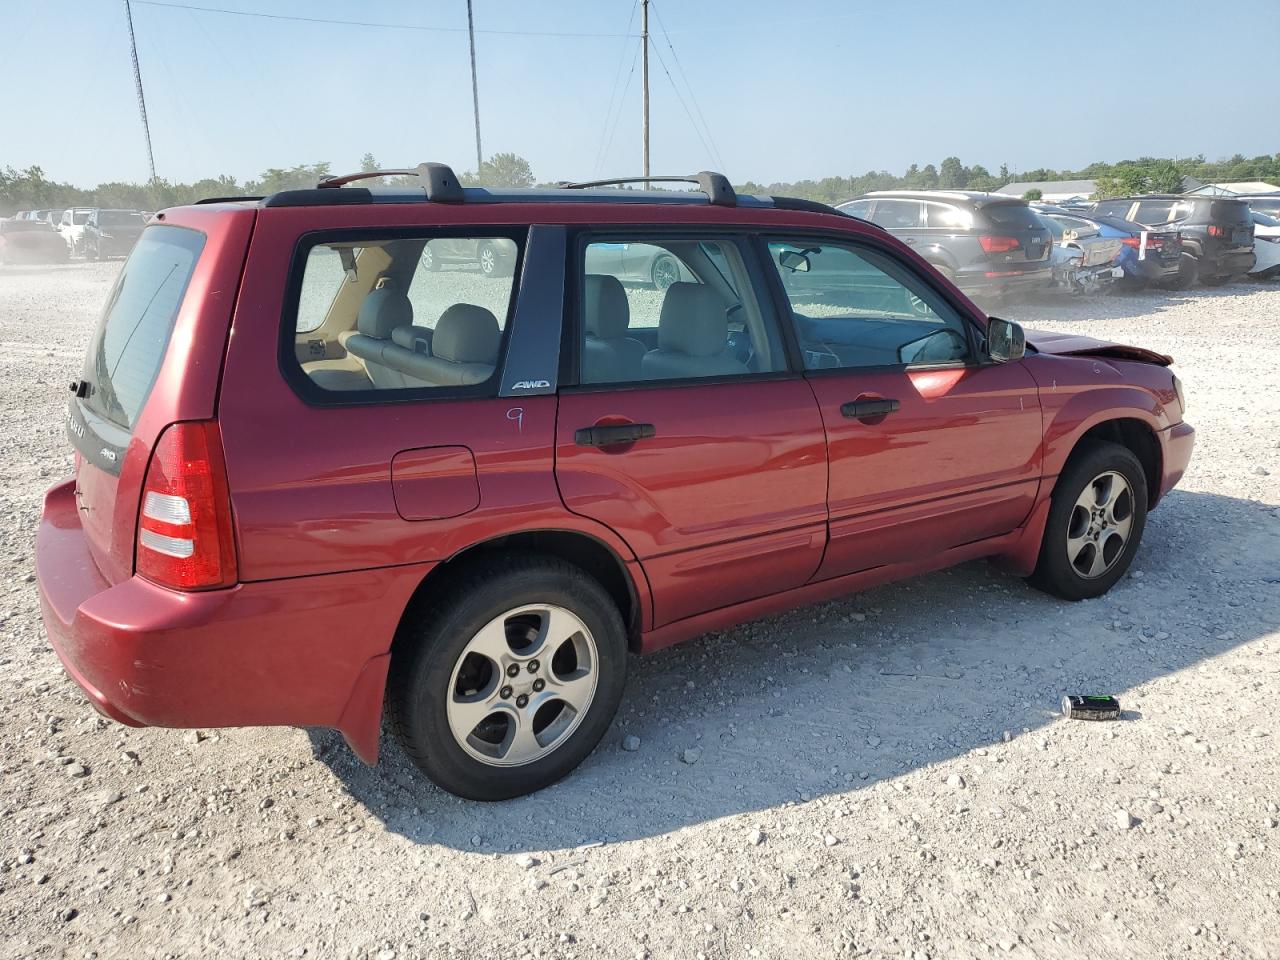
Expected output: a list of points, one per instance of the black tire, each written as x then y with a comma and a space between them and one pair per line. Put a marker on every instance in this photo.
429, 259
1188, 273
1215, 281
664, 272
492, 263
1054, 572
434, 636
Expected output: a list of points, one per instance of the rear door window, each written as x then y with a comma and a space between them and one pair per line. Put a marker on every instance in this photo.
128, 347
1154, 212
897, 214
947, 217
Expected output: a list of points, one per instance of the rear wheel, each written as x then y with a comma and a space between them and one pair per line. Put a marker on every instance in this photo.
510, 680
1095, 524
1214, 281
1188, 272
429, 261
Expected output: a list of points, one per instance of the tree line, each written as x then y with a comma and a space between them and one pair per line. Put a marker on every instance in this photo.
29, 189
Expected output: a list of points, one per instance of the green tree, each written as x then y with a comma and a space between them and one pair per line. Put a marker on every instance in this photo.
952, 175
929, 177
1035, 193
1164, 177
368, 164
502, 170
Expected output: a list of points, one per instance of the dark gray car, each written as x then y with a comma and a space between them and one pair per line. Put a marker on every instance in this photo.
988, 244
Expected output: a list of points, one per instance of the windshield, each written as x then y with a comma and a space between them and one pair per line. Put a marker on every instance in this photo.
80, 216
129, 345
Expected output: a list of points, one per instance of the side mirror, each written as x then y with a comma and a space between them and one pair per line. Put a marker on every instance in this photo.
794, 261
1005, 340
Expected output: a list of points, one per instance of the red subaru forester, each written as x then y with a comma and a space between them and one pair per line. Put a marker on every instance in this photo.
332, 460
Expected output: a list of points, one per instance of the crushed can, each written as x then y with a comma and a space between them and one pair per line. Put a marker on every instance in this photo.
1084, 707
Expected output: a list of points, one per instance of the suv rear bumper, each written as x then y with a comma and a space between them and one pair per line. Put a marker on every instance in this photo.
1228, 264
978, 282
306, 652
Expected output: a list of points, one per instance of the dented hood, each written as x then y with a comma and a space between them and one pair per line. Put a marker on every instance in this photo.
1070, 344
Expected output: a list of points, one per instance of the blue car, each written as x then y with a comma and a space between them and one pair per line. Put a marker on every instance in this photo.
1158, 261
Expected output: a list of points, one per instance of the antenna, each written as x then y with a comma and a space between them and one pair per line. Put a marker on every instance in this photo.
644, 40
475, 88
137, 82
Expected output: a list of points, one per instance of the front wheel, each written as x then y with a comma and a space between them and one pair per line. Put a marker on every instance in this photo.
665, 272
509, 681
1095, 524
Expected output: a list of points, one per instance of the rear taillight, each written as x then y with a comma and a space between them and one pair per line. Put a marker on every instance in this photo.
185, 536
998, 244
1216, 231
1153, 242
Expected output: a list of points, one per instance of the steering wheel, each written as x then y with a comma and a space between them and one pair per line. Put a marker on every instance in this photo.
741, 343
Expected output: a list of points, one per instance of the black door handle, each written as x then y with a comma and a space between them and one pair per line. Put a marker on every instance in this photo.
608, 435
865, 409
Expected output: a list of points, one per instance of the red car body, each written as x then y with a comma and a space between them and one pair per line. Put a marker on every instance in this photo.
752, 498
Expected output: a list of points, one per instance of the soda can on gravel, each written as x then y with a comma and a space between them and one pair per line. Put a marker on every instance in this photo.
1084, 707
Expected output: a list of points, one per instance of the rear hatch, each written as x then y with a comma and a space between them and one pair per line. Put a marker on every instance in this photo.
1231, 222
123, 227
1013, 237
107, 419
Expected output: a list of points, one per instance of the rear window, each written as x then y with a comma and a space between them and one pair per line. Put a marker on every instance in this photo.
129, 345
1017, 215
23, 226
1231, 211
120, 218
80, 217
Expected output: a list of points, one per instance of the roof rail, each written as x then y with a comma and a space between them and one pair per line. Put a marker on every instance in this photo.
438, 180
228, 200
716, 186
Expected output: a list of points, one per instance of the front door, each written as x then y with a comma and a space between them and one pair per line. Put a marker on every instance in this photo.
929, 447
686, 434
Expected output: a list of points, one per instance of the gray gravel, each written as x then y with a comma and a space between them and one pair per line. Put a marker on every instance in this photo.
881, 776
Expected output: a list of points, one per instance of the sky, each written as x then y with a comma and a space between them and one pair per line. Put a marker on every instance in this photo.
767, 91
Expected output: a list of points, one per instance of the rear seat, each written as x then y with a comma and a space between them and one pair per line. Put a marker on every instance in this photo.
464, 349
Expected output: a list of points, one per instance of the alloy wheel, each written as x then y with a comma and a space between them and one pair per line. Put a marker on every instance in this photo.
665, 272
522, 685
1100, 525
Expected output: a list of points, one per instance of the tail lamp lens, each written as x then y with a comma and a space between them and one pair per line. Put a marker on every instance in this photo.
998, 244
185, 537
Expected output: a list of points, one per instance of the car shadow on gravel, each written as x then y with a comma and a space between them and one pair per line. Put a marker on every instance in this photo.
835, 698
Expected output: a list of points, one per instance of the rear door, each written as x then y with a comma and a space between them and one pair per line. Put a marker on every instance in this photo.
929, 447
710, 462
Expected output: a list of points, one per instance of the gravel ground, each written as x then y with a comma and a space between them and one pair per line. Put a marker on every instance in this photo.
880, 776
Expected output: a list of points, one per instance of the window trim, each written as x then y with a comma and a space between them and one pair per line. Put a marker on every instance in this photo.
306, 389
975, 332
575, 282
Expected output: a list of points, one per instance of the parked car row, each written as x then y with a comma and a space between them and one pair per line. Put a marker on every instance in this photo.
993, 246
91, 232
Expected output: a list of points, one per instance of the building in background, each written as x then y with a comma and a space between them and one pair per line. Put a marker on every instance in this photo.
1053, 191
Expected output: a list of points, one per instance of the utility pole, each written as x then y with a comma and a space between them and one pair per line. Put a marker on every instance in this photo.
644, 39
137, 82
475, 86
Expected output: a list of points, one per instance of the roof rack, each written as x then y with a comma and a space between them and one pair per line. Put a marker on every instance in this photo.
438, 180
716, 186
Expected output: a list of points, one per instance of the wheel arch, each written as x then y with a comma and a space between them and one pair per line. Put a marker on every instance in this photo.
592, 555
1136, 435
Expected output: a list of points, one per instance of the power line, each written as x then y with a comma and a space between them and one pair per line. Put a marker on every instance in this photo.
688, 86
618, 116
711, 154
613, 90
365, 23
